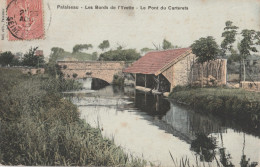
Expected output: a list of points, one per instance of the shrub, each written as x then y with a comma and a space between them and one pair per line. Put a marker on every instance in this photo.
74, 75
40, 127
240, 105
118, 80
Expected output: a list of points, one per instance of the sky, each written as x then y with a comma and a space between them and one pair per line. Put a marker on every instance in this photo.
136, 28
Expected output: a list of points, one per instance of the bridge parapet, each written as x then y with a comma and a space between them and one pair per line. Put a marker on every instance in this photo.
104, 70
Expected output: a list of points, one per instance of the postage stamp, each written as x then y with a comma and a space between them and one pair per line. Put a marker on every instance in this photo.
25, 19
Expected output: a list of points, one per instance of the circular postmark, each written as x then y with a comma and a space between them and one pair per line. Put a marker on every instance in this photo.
25, 19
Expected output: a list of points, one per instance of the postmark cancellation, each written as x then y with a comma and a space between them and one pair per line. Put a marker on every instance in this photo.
25, 19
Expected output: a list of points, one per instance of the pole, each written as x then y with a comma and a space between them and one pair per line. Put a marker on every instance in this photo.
145, 80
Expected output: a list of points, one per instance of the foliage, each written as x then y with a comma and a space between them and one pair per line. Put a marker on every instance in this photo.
40, 127
247, 45
94, 56
32, 60
53, 70
234, 57
145, 50
118, 80
55, 54
60, 54
74, 75
238, 104
15, 62
248, 42
120, 55
205, 49
229, 34
6, 58
166, 44
80, 47
104, 45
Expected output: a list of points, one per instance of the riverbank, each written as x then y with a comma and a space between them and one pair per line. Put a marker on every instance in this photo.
238, 104
41, 127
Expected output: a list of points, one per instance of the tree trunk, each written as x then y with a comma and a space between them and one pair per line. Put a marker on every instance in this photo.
201, 75
244, 66
240, 72
207, 72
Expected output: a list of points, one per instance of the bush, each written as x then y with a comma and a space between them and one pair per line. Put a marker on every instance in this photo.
118, 80
238, 104
74, 75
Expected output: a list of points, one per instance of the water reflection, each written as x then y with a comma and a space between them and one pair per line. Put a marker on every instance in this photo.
154, 105
206, 134
149, 124
204, 146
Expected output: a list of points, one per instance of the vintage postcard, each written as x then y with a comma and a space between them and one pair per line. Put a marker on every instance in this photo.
130, 83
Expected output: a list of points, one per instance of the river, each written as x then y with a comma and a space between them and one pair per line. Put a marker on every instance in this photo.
154, 128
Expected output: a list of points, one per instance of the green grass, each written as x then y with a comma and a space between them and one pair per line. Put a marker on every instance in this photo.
41, 127
239, 104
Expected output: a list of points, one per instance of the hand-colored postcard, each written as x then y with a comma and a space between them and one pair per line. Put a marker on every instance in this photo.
168, 83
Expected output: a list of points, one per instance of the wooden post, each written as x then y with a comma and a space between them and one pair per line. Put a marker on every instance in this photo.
158, 82
135, 96
145, 80
157, 105
135, 79
145, 99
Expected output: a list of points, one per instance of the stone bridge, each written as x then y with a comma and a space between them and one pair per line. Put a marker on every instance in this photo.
104, 70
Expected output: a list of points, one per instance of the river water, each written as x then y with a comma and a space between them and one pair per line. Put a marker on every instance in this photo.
154, 128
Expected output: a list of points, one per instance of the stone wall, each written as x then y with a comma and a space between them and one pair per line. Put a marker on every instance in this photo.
104, 70
28, 70
182, 70
253, 86
179, 73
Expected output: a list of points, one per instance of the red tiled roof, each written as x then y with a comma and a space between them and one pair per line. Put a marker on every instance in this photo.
152, 62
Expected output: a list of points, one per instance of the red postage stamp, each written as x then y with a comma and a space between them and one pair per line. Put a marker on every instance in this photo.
25, 19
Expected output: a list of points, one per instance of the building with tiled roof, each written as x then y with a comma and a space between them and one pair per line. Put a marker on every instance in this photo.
163, 70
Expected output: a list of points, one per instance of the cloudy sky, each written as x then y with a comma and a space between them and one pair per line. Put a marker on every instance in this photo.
137, 28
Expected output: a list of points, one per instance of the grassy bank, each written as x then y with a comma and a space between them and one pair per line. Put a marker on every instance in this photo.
38, 126
238, 104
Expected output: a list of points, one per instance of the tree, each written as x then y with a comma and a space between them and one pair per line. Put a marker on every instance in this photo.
80, 47
166, 44
94, 56
247, 45
145, 50
204, 146
56, 52
229, 35
120, 55
32, 60
6, 58
205, 49
15, 62
104, 45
